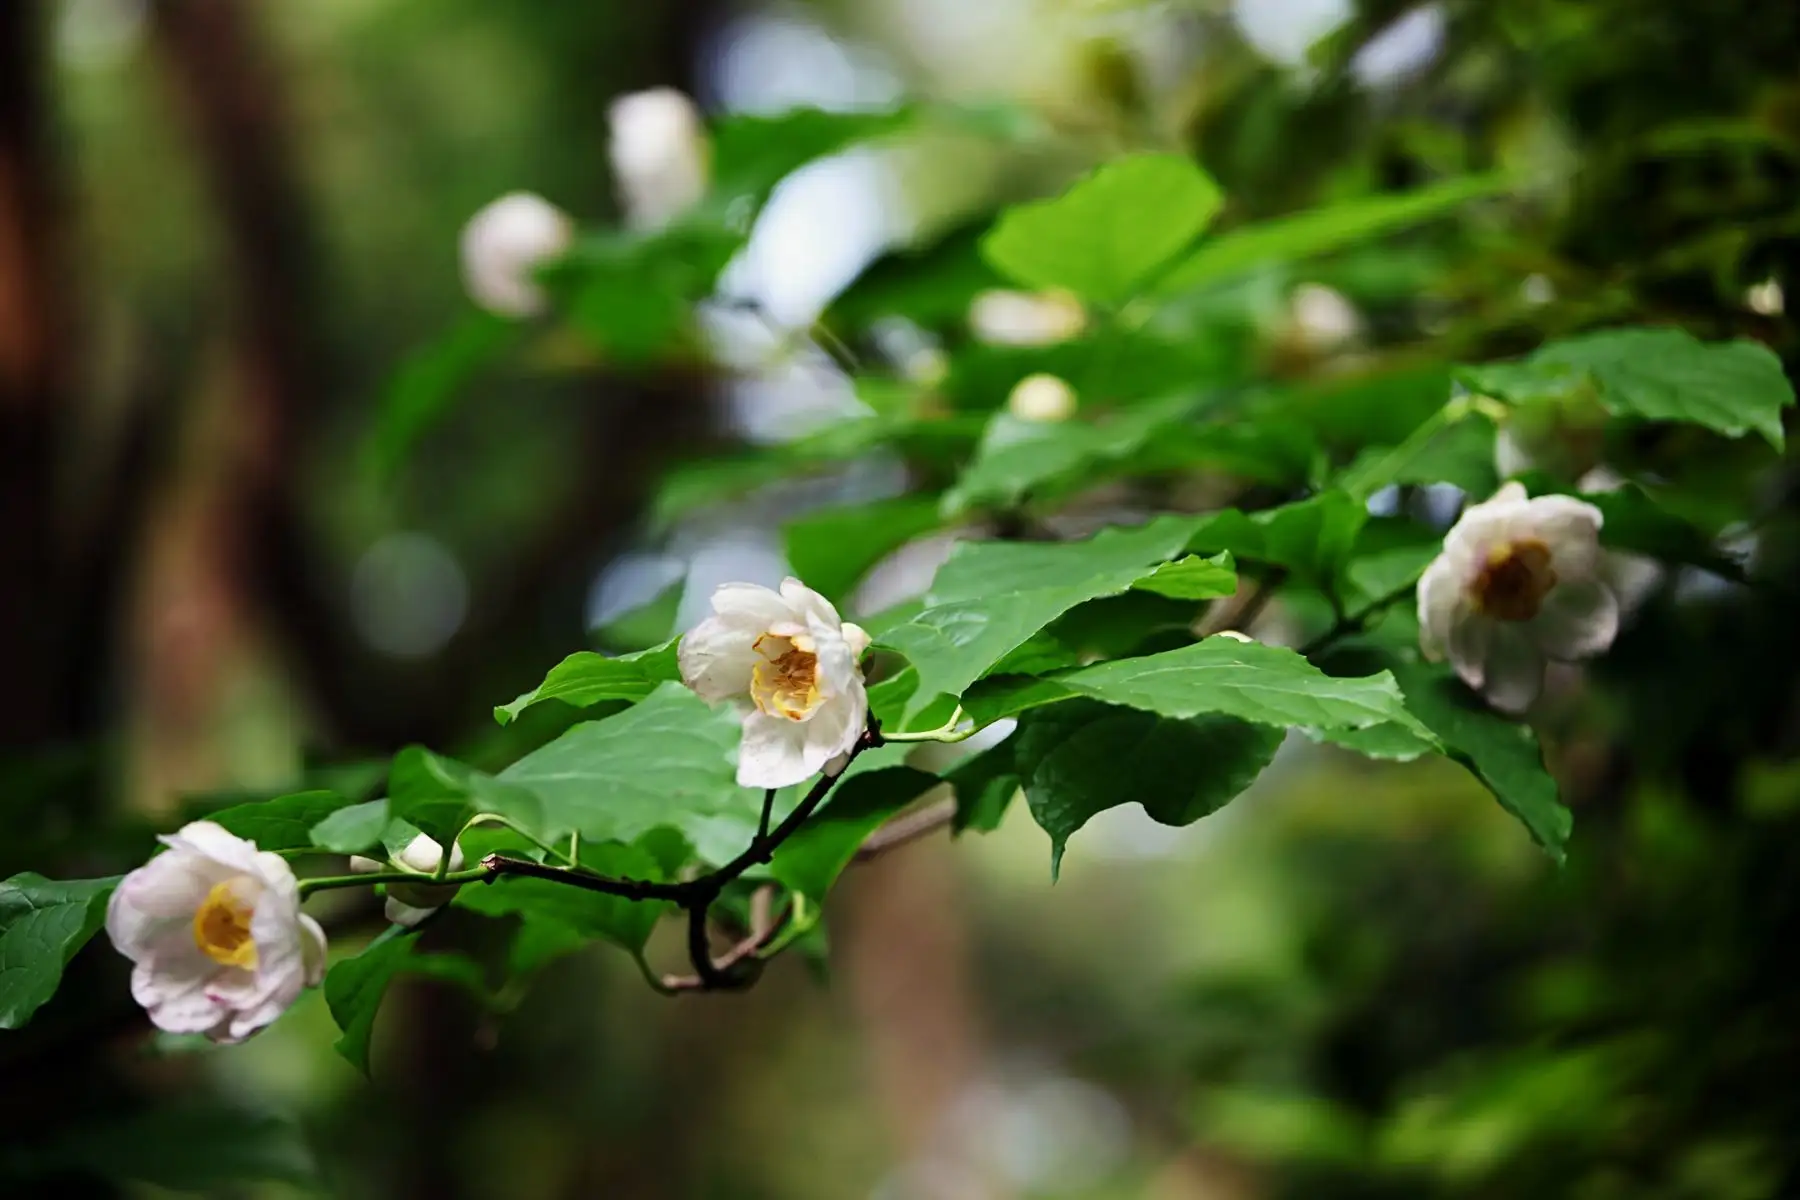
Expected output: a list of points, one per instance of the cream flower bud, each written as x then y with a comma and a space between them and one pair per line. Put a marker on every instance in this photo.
1007, 318
794, 662
1518, 583
504, 244
1323, 320
410, 903
1043, 398
659, 155
215, 934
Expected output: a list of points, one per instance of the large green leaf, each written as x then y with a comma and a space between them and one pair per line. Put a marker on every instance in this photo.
354, 829
355, 986
43, 923
284, 823
1733, 388
1104, 237
989, 597
625, 923
751, 153
666, 761
1192, 578
1321, 231
1081, 758
439, 795
834, 548
586, 678
1503, 754
1311, 538
811, 860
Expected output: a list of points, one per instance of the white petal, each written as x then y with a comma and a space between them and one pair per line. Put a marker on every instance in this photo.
212, 841
835, 726
1571, 529
1440, 605
717, 657
1468, 645
857, 638
773, 752
422, 854
1577, 620
751, 606
178, 1004
1515, 669
808, 605
1511, 455
163, 892
1511, 492
401, 913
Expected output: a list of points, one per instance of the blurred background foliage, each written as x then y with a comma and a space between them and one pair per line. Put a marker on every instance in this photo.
234, 219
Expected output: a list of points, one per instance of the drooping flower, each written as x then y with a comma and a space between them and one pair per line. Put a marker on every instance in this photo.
410, 903
1517, 584
660, 156
1042, 398
216, 934
504, 243
1002, 317
795, 661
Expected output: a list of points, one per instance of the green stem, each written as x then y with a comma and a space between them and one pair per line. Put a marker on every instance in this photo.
323, 883
1348, 624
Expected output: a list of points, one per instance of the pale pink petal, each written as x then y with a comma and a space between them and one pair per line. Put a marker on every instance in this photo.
1577, 620
177, 1004
214, 842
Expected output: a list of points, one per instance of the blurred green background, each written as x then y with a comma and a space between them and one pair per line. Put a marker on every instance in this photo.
231, 221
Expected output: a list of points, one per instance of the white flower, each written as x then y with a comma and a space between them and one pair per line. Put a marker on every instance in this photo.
504, 244
1323, 320
1042, 398
1518, 583
1007, 318
659, 155
795, 660
216, 932
410, 903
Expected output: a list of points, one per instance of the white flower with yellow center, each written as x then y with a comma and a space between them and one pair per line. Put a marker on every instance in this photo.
410, 903
504, 244
1518, 583
795, 660
216, 934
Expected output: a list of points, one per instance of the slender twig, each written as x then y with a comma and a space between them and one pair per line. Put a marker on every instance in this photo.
762, 825
907, 828
1349, 623
764, 927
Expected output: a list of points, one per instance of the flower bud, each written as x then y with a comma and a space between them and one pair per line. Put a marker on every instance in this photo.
1044, 398
504, 244
410, 903
659, 156
1007, 318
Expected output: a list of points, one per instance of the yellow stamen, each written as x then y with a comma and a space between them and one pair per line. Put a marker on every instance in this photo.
785, 683
1514, 581
222, 927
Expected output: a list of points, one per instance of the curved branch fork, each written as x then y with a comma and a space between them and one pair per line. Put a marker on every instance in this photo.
739, 967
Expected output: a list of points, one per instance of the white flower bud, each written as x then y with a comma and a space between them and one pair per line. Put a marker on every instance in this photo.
504, 244
1007, 318
659, 155
215, 933
1323, 319
1044, 398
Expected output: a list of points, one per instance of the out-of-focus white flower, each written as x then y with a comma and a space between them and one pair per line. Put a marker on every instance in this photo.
1563, 435
660, 155
1537, 290
1518, 583
1632, 577
215, 933
796, 661
1766, 299
504, 244
1323, 319
410, 903
1007, 318
1043, 398
1284, 30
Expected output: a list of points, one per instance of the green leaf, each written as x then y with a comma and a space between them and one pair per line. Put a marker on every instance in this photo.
284, 823
43, 923
625, 923
985, 785
439, 795
1311, 537
1104, 236
666, 761
753, 153
184, 1146
1503, 754
834, 548
989, 597
1081, 758
1321, 231
352, 830
811, 860
1192, 578
422, 390
1732, 388
586, 678
354, 987
632, 296
1461, 453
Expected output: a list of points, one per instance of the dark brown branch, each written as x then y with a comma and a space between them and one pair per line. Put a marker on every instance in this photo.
764, 927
